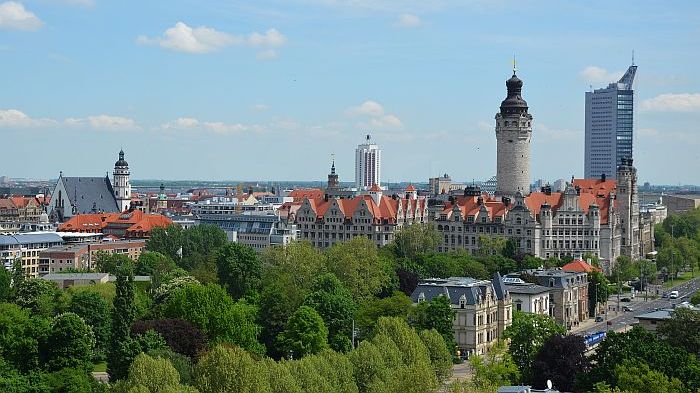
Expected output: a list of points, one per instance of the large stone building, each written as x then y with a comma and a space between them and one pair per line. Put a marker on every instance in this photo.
81, 195
483, 309
568, 299
513, 133
258, 230
582, 219
325, 221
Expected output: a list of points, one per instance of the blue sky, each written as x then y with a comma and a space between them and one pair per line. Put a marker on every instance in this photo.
270, 89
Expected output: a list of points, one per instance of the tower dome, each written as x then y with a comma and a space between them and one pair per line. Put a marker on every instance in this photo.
121, 161
514, 103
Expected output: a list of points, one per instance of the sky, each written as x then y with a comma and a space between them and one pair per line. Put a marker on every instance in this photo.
272, 89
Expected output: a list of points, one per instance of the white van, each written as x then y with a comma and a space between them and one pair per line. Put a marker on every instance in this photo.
673, 295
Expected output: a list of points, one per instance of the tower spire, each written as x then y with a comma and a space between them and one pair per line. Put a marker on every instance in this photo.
632, 56
515, 68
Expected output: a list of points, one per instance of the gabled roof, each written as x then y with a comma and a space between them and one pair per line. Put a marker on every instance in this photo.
83, 192
310, 193
580, 266
375, 188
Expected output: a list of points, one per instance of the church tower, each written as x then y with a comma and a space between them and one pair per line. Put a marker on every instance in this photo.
333, 178
513, 132
122, 186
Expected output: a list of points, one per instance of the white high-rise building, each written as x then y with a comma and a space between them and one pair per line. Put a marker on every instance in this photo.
122, 185
367, 165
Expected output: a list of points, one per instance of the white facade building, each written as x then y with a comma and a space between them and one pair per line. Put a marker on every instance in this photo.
368, 158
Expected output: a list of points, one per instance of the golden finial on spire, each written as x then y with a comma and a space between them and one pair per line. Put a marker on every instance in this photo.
514, 65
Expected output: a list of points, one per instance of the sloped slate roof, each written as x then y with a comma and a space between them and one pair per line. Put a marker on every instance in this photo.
30, 238
83, 192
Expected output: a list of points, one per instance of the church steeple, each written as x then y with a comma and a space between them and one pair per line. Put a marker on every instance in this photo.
333, 177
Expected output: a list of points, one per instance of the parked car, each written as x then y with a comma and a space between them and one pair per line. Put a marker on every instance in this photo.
673, 295
665, 295
599, 318
625, 299
627, 309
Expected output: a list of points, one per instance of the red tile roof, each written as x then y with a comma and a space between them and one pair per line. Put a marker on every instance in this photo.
309, 193
386, 210
132, 223
410, 188
580, 266
375, 187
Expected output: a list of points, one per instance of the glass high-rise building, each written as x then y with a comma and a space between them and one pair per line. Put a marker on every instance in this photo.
609, 126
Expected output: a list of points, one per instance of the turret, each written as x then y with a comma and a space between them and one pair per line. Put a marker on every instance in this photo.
122, 185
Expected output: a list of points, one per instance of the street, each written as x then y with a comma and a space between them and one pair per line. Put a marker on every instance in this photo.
622, 320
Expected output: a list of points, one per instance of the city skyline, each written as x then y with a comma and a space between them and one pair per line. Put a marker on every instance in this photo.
230, 91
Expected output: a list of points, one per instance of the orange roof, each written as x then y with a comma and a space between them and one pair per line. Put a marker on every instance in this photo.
580, 266
375, 187
309, 193
129, 221
410, 188
386, 210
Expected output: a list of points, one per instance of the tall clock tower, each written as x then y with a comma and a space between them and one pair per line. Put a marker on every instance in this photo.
122, 185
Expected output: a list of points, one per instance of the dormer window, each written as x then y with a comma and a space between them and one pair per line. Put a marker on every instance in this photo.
462, 301
421, 297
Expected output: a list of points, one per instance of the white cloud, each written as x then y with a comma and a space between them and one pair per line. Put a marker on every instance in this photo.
259, 107
271, 38
370, 108
268, 54
13, 16
183, 38
16, 118
386, 121
596, 75
378, 118
112, 123
191, 123
686, 102
409, 21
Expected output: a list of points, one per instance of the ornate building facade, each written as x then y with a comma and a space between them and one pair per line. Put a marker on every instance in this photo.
326, 221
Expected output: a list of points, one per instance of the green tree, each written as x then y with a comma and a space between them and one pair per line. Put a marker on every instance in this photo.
491, 245
560, 359
211, 309
368, 365
230, 370
369, 312
292, 269
682, 330
335, 306
495, 368
440, 355
21, 335
111, 263
280, 377
527, 334
640, 345
166, 241
182, 363
5, 285
634, 376
40, 296
437, 314
122, 349
358, 266
152, 375
154, 264
94, 310
305, 333
239, 269
70, 343
416, 239
695, 299
598, 290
